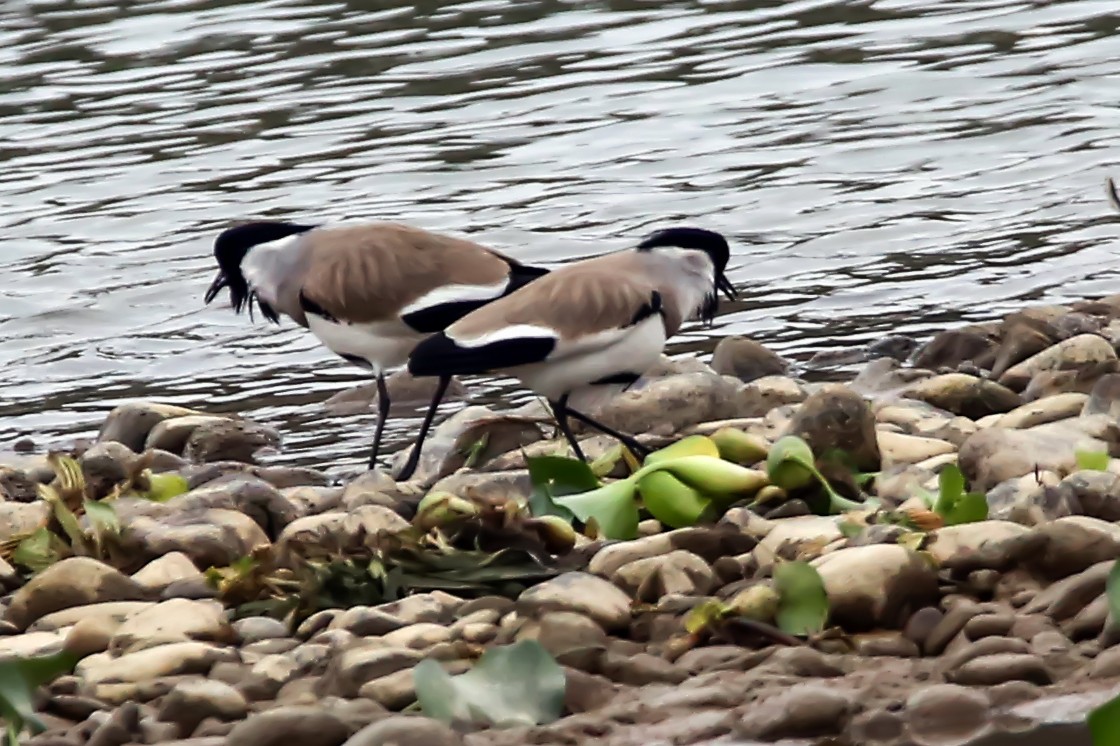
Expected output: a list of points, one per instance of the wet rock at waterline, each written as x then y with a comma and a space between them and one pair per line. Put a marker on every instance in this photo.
746, 359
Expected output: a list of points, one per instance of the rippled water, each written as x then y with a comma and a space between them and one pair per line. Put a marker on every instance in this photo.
880, 166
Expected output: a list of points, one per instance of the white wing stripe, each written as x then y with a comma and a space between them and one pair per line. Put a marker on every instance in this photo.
447, 294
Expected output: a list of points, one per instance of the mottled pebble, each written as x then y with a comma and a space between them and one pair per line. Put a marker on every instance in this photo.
989, 670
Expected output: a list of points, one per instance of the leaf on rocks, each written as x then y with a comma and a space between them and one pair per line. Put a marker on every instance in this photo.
605, 464
612, 506
705, 615
39, 550
803, 608
19, 678
556, 476
1104, 722
953, 504
163, 487
790, 463
670, 501
1092, 460
513, 685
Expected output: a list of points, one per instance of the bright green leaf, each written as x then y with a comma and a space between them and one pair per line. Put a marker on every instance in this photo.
163, 487
803, 609
556, 476
704, 615
19, 678
511, 685
672, 502
37, 551
612, 506
969, 508
951, 487
1092, 460
102, 517
693, 445
1104, 723
790, 463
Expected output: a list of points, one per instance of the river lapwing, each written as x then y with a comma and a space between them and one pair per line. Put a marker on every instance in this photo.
369, 292
600, 322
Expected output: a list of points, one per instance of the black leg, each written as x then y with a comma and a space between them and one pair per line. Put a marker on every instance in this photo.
560, 411
639, 450
382, 415
414, 457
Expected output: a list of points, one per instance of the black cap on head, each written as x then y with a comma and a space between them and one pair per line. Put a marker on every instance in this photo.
697, 239
230, 249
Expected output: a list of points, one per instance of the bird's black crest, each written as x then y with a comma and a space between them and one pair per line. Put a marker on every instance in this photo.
711, 243
230, 249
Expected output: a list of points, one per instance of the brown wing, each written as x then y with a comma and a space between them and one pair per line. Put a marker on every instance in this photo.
366, 273
576, 301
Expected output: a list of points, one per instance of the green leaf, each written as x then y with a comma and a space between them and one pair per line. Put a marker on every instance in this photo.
556, 476
512, 685
705, 615
1112, 590
19, 678
671, 501
1092, 460
951, 487
971, 507
612, 506
953, 504
803, 609
790, 463
1104, 723
605, 464
38, 551
163, 487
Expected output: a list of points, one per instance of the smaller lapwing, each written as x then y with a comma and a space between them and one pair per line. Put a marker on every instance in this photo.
596, 323
369, 292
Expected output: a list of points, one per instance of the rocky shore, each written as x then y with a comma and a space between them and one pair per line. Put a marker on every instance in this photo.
221, 601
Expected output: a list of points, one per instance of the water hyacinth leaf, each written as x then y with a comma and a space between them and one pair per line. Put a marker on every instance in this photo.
951, 487
790, 463
740, 447
1092, 460
612, 506
38, 551
803, 608
670, 501
693, 445
163, 487
605, 464
20, 677
512, 685
1112, 590
556, 476
715, 478
971, 507
1104, 723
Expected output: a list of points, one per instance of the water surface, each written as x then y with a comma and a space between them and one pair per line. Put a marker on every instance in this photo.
898, 165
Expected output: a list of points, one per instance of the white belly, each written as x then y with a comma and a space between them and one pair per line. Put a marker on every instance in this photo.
383, 344
636, 352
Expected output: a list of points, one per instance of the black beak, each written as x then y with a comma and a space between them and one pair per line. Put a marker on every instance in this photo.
725, 285
216, 287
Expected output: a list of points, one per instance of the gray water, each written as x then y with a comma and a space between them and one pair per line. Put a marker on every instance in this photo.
888, 166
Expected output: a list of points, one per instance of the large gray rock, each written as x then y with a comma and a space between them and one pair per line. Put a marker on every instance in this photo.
193, 700
405, 730
963, 394
75, 581
994, 455
245, 493
229, 440
664, 406
212, 537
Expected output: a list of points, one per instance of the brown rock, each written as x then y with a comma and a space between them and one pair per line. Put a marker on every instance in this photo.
307, 726
965, 395
1083, 350
802, 711
946, 713
989, 670
746, 359
835, 417
950, 348
75, 581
